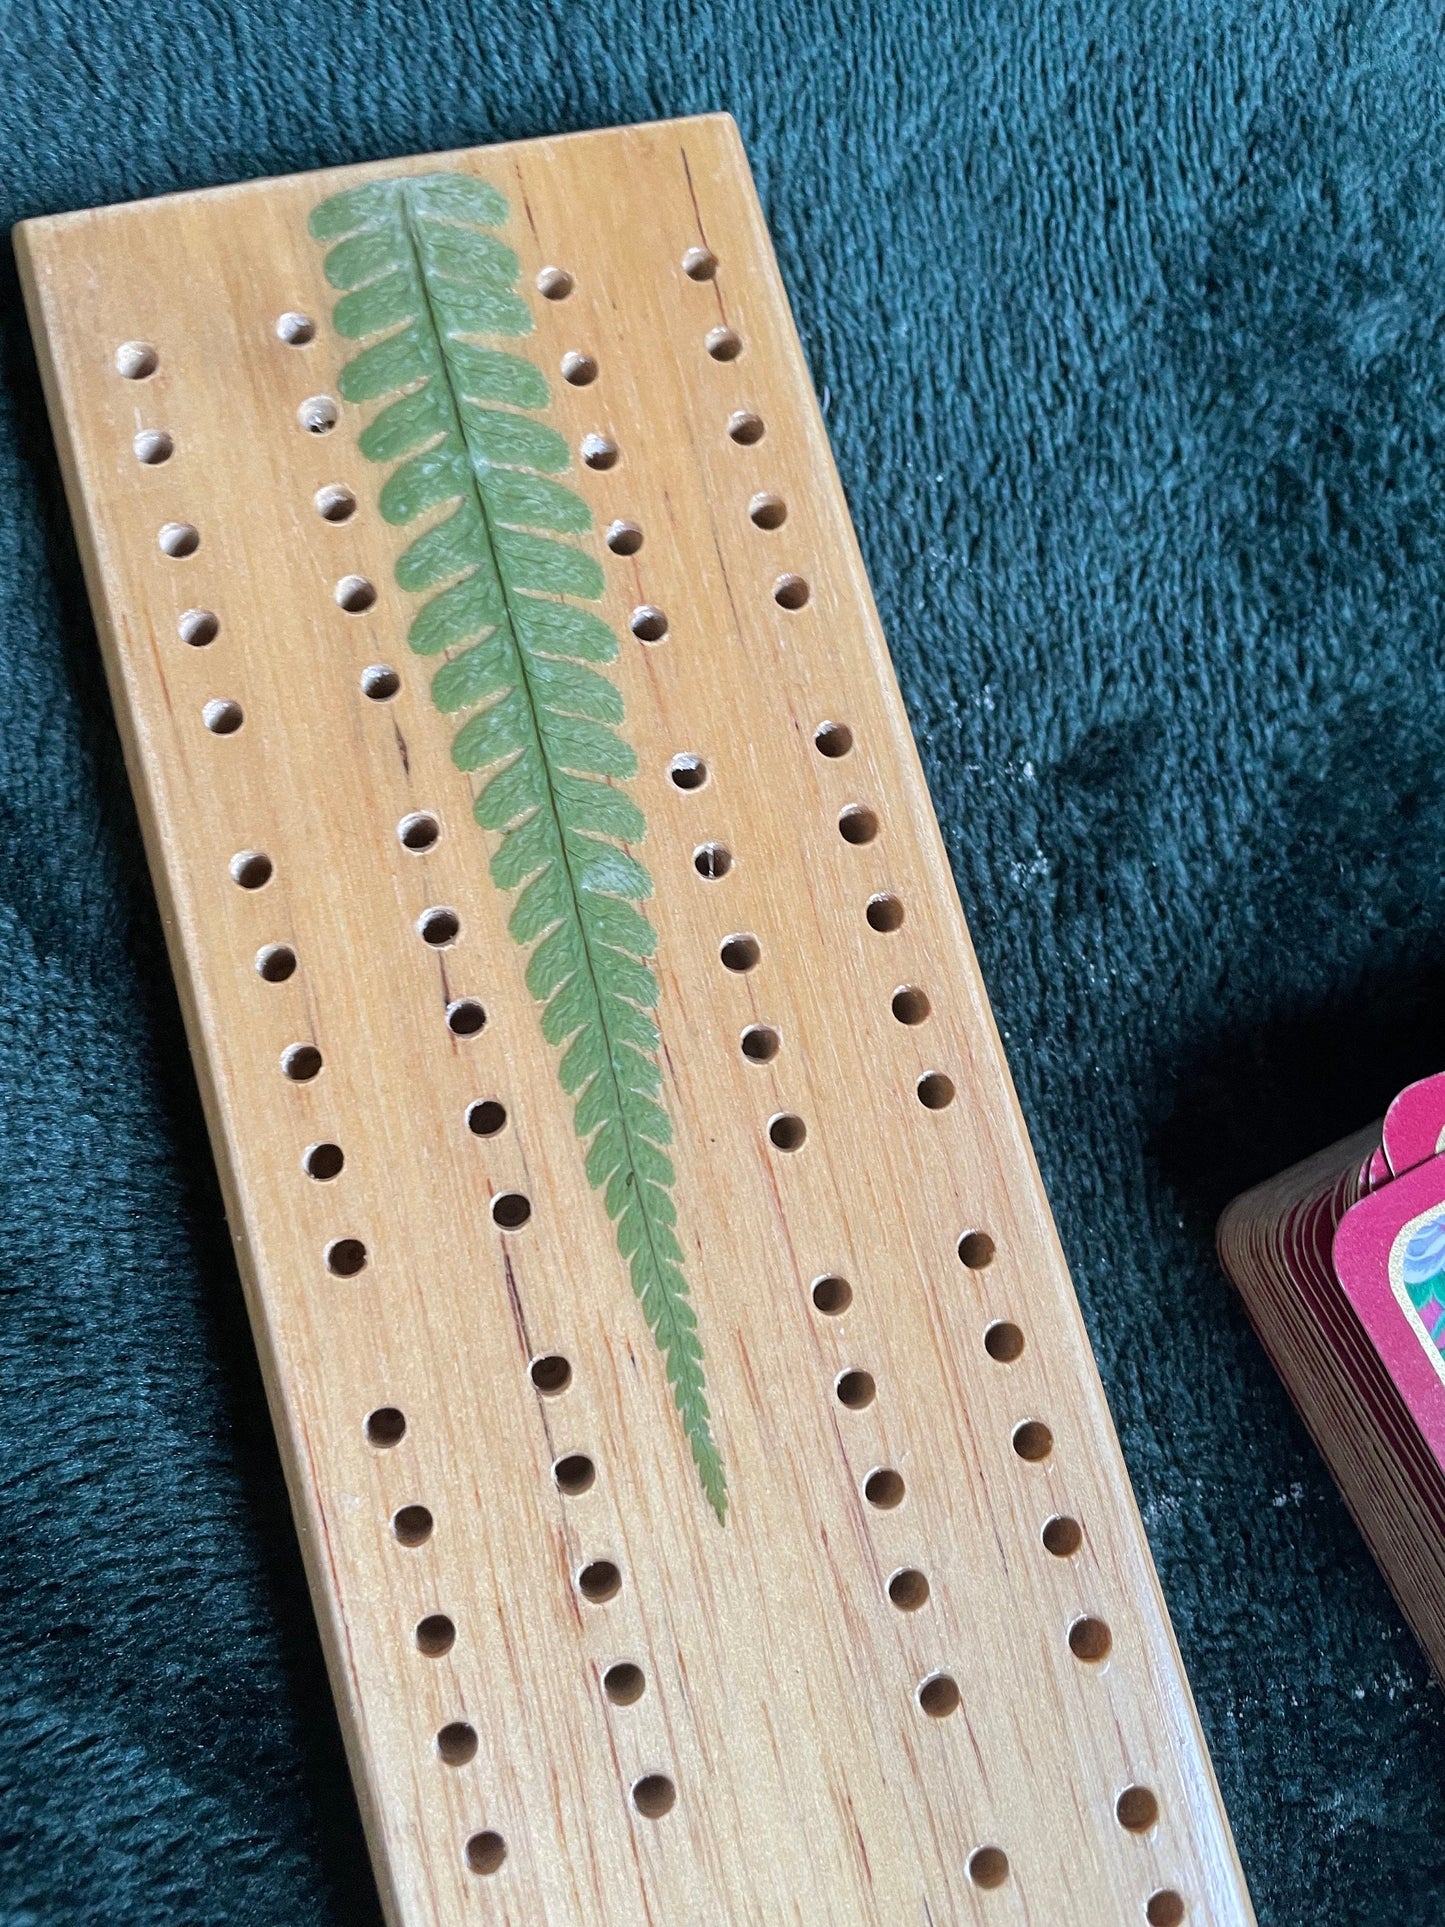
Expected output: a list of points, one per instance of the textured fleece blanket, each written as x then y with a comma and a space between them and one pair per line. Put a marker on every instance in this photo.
1128, 318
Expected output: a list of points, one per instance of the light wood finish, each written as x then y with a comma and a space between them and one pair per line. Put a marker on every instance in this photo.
781, 1681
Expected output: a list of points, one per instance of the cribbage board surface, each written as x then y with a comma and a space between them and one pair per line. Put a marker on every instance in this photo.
708, 1496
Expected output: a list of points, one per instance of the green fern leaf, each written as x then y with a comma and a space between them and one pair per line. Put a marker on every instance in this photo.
419, 275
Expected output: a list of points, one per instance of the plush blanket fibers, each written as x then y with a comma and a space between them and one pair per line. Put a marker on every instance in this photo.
1129, 324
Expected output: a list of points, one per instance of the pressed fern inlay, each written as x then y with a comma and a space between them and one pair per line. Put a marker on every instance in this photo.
421, 274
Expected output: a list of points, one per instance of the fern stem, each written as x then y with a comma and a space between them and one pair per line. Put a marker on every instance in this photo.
697, 1421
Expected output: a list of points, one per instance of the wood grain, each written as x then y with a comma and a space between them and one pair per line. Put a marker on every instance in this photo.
781, 1695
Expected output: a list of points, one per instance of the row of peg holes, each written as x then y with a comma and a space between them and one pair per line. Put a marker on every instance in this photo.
138, 361
654, 1794
598, 1581
439, 928
938, 1695
742, 952
766, 510
198, 628
855, 1389
1136, 1808
884, 1489
346, 1257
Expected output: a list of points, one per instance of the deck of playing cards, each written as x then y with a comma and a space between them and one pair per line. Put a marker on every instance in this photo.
1341, 1265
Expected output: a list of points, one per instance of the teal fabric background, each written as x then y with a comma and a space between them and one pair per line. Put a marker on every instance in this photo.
1129, 325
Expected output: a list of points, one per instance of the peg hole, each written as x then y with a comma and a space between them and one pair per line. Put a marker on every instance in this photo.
599, 452
791, 592
939, 1696
465, 1017
301, 1063
136, 360
687, 772
324, 1162
909, 1589
355, 595
648, 624
988, 1867
767, 511
153, 446
251, 869
624, 538
855, 1389
550, 1374
910, 1004
712, 860
857, 824
179, 539
346, 1257
740, 952
699, 264
1033, 1441
760, 1043
1136, 1809
418, 831
457, 1743
884, 913
555, 284
439, 926
976, 1250
935, 1091
787, 1131
223, 717
295, 329
1062, 1536
654, 1795
486, 1852
510, 1210
435, 1635
380, 682
832, 1296
412, 1525
198, 627
745, 428
624, 1684
486, 1117
883, 1488
1003, 1341
318, 415
1165, 1908
275, 962
578, 369
335, 503
832, 739
385, 1427
599, 1581
1091, 1641
575, 1474
724, 344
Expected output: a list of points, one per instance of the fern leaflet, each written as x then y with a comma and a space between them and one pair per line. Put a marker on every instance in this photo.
421, 278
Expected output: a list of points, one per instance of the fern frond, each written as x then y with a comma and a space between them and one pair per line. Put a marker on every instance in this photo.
420, 277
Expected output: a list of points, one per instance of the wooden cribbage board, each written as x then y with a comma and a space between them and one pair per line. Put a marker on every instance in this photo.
810, 1743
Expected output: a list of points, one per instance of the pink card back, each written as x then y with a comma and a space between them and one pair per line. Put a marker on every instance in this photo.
1415, 1124
1389, 1254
